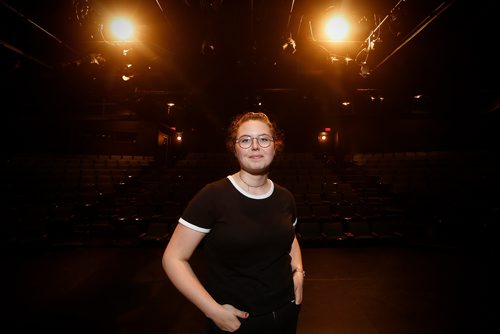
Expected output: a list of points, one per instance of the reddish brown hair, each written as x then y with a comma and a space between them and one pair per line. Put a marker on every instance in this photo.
253, 116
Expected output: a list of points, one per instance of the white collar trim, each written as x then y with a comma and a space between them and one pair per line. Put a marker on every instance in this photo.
249, 195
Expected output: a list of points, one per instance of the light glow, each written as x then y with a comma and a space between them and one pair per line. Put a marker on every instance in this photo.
337, 28
122, 29
323, 137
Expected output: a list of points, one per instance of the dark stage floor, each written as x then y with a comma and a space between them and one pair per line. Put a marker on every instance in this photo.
391, 289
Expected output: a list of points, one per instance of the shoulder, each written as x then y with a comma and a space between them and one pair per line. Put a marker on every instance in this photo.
210, 188
219, 184
281, 188
282, 191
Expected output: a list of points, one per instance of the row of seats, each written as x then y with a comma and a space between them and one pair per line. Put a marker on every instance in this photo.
453, 193
145, 199
60, 198
328, 199
317, 233
432, 172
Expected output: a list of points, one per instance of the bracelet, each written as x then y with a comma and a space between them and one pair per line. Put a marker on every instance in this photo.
299, 270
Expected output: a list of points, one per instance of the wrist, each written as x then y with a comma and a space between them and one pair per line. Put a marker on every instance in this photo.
300, 271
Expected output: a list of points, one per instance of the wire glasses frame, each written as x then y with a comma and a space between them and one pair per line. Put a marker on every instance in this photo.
247, 141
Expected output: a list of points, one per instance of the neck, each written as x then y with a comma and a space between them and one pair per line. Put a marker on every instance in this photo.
252, 186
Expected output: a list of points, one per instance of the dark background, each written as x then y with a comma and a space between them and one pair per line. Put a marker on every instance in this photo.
62, 87
72, 224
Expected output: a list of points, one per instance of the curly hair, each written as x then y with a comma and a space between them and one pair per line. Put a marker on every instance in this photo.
253, 116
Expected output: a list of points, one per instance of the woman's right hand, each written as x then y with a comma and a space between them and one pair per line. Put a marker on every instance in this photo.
227, 318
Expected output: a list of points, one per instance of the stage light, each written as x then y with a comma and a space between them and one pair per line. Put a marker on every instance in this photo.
178, 137
122, 29
290, 46
337, 28
128, 72
340, 26
323, 137
170, 105
364, 71
207, 48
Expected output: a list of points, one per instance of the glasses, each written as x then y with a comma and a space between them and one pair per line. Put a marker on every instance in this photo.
247, 141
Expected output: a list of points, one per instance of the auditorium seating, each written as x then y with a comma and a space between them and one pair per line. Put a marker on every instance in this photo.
436, 190
66, 198
378, 196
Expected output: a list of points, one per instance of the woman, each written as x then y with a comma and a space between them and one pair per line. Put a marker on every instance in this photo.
254, 263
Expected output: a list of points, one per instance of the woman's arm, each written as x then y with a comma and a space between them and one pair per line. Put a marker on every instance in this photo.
297, 270
175, 262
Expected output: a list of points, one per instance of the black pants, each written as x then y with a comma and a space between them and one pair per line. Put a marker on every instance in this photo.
281, 321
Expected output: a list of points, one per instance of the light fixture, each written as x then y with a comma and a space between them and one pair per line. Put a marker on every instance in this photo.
337, 28
170, 105
290, 46
128, 72
122, 29
364, 70
207, 48
178, 137
323, 137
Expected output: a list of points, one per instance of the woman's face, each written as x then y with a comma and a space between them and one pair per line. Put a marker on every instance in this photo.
255, 159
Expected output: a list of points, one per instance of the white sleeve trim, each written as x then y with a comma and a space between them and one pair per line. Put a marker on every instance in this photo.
193, 227
295, 222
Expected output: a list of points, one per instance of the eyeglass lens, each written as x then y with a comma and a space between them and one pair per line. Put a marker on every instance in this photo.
263, 140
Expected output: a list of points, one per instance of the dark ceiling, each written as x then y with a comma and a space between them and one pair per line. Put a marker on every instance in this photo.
215, 51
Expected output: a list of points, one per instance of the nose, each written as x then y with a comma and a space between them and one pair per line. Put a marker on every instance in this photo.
255, 143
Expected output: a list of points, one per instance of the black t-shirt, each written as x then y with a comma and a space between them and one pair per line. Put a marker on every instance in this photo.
248, 242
